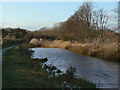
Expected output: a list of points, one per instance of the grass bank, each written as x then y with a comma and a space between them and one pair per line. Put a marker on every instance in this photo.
7, 42
20, 71
106, 51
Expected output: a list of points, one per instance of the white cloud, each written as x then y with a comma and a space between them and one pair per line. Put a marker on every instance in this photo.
24, 26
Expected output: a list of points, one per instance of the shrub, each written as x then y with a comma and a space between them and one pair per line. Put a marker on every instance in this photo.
70, 74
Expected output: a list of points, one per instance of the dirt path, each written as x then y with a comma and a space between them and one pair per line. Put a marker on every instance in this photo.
5, 49
2, 51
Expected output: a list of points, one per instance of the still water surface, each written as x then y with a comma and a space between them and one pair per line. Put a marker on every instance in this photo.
104, 73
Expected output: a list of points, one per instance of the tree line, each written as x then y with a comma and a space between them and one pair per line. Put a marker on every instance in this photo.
86, 23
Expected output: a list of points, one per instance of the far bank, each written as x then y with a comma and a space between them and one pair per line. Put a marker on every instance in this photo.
105, 51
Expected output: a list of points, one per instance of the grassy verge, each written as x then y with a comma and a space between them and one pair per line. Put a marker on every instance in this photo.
0, 46
20, 71
8, 45
10, 42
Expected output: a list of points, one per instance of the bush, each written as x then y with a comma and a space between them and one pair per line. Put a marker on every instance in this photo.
70, 74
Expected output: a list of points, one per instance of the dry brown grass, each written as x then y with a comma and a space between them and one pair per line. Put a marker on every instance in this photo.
105, 48
55, 44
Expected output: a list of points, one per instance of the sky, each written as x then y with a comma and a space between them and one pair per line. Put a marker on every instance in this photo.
34, 15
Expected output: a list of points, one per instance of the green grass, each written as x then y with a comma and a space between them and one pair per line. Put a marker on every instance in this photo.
20, 71
0, 46
10, 44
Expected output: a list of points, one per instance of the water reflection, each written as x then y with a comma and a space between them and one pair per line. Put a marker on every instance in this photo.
93, 69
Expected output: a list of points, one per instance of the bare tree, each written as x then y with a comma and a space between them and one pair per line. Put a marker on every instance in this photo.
103, 19
84, 14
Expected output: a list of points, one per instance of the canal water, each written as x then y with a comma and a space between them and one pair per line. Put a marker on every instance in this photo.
103, 73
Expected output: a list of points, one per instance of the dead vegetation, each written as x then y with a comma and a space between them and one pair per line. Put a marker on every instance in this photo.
105, 47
